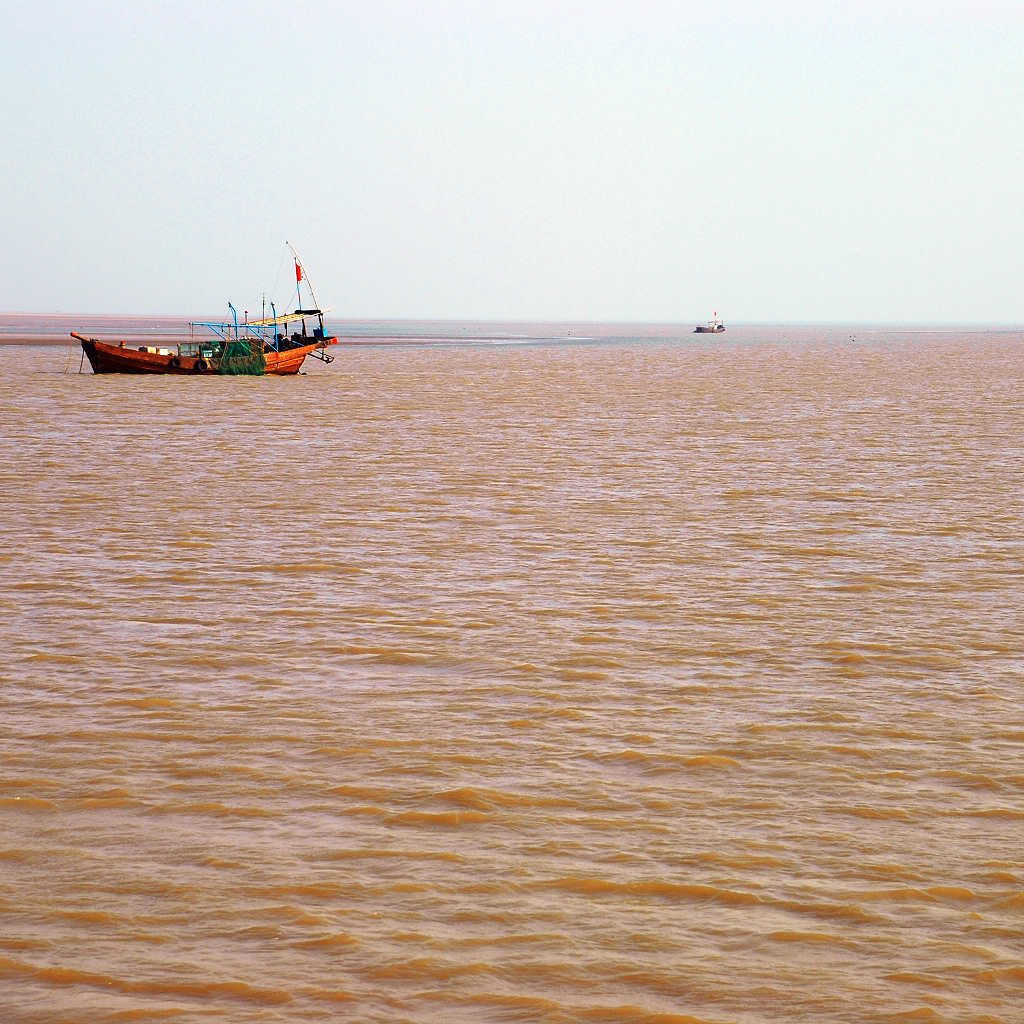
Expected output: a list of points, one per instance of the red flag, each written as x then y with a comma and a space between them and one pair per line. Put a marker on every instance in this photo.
298, 272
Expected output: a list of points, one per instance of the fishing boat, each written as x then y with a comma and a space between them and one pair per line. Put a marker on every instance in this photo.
278, 344
713, 326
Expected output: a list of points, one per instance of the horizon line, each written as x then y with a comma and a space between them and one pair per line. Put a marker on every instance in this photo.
746, 322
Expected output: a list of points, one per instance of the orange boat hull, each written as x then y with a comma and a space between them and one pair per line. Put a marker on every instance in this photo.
105, 358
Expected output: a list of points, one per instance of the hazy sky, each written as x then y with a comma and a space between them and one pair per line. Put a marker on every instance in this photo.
529, 160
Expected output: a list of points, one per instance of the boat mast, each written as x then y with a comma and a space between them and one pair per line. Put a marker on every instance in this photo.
301, 275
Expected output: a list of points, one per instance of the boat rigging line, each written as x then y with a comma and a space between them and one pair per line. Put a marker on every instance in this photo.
300, 276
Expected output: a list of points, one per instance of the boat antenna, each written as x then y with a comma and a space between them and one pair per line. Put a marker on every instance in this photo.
300, 276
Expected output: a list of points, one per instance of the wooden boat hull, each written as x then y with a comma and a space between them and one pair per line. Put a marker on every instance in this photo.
106, 358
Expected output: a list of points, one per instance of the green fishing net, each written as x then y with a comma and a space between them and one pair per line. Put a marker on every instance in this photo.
243, 358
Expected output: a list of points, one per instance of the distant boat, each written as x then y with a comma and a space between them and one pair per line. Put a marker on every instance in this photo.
714, 326
230, 348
